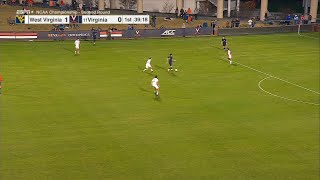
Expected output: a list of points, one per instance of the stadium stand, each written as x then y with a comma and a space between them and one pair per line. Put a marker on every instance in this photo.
8, 12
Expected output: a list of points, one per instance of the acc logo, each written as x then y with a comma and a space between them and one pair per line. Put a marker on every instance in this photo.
19, 19
169, 33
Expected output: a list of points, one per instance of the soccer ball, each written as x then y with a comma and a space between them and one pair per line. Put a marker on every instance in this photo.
176, 70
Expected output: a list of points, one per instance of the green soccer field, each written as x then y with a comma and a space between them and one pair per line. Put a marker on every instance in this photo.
94, 116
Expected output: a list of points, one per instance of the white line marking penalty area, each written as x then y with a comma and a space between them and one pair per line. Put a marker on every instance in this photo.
281, 97
269, 75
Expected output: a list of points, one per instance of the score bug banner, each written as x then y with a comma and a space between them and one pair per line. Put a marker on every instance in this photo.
82, 19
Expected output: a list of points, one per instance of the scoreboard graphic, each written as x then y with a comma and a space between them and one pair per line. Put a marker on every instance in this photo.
82, 19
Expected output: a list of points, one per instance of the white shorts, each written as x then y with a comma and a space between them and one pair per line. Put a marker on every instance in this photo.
229, 57
155, 86
77, 47
148, 66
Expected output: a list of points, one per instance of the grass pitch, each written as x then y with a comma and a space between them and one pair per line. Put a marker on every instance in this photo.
94, 116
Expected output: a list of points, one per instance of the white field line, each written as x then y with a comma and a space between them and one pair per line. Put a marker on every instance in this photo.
269, 75
301, 54
281, 97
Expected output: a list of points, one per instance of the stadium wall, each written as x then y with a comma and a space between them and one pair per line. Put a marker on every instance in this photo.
147, 33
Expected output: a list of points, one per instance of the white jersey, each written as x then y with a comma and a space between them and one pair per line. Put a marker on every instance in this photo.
154, 82
148, 64
77, 43
148, 61
229, 53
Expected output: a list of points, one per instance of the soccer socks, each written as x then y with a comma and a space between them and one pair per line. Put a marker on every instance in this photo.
147, 69
230, 62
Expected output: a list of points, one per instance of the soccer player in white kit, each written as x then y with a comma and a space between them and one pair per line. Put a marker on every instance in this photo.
148, 65
229, 56
77, 46
155, 84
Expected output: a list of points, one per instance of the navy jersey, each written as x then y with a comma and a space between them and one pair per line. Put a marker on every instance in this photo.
170, 60
94, 34
224, 42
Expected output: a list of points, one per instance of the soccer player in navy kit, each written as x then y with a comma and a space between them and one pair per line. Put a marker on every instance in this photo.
224, 43
170, 61
94, 35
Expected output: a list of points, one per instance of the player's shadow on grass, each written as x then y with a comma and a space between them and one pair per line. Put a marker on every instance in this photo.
172, 74
140, 68
67, 49
222, 59
217, 47
147, 72
159, 67
150, 73
157, 98
144, 90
